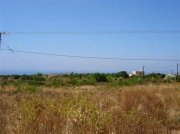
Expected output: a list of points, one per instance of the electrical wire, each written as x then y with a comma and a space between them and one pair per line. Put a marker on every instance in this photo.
166, 66
90, 57
177, 31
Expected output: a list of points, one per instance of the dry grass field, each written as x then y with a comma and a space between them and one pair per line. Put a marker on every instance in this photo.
100, 109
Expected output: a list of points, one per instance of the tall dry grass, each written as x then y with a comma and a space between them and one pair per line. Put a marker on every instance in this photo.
150, 109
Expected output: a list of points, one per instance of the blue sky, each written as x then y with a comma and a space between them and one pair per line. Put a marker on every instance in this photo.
89, 15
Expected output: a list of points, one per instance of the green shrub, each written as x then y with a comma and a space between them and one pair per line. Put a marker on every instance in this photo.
58, 82
121, 81
135, 80
16, 76
87, 82
154, 77
122, 74
139, 81
110, 79
74, 81
100, 77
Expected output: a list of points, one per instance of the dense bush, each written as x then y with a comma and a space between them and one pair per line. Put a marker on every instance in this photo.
100, 77
155, 76
122, 74
87, 82
16, 76
57, 82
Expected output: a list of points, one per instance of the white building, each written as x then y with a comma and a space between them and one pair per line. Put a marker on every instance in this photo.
137, 73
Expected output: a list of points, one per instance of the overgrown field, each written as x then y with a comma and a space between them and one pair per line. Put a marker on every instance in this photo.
140, 109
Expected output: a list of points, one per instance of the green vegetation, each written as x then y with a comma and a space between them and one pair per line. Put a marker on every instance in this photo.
117, 79
122, 74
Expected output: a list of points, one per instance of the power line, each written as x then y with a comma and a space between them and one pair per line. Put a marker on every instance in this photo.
98, 32
89, 57
162, 1
165, 66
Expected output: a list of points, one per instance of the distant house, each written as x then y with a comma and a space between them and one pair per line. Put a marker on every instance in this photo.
137, 73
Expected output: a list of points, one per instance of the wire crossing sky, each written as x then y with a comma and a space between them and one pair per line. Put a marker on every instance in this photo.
138, 29
86, 57
96, 32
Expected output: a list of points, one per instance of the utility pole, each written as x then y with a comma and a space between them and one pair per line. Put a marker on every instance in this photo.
177, 71
143, 71
0, 47
0, 38
1, 33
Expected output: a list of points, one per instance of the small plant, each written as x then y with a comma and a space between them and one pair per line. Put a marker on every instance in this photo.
170, 78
